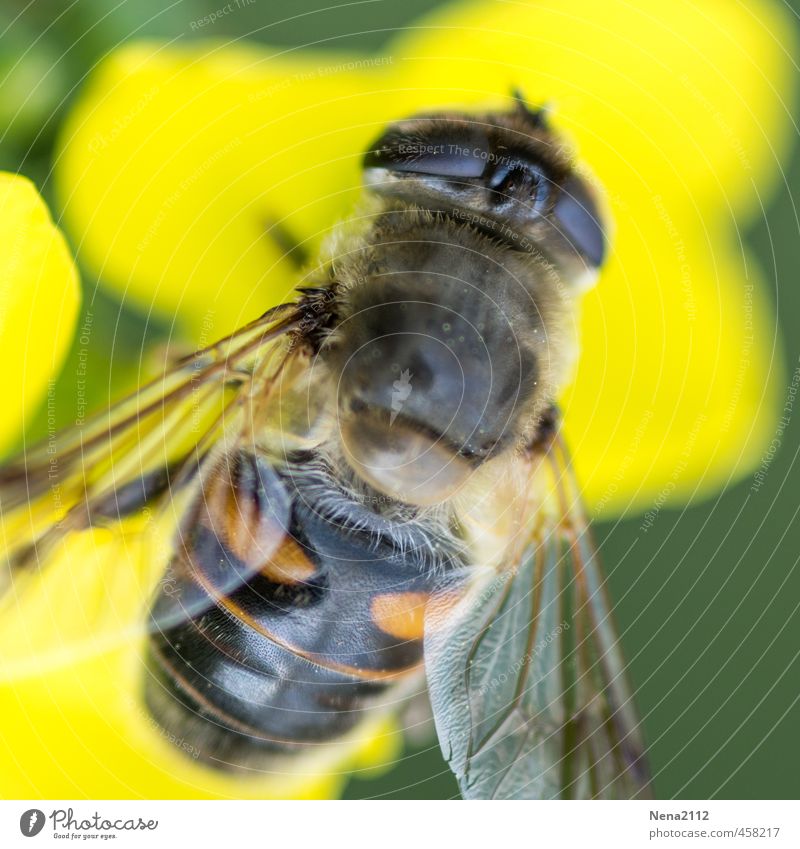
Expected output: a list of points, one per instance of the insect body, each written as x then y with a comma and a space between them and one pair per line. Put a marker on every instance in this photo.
379, 490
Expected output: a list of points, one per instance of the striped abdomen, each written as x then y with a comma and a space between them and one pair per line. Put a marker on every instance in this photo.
295, 656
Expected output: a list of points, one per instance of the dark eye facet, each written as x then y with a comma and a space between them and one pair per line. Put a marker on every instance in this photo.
522, 181
460, 154
578, 220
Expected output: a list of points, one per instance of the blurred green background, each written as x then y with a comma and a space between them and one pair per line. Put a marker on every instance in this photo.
713, 626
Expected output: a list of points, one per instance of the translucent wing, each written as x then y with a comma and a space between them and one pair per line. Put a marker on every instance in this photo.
526, 676
154, 478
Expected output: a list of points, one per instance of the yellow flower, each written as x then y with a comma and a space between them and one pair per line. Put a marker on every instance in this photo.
39, 297
185, 173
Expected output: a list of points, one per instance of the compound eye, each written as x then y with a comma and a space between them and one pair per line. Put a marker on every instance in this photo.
579, 222
459, 153
520, 181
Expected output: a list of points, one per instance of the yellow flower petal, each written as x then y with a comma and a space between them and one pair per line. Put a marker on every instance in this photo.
677, 390
186, 173
39, 297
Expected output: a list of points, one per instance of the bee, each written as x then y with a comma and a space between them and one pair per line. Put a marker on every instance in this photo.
367, 486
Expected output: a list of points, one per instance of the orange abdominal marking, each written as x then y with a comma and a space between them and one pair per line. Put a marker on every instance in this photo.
400, 614
289, 565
